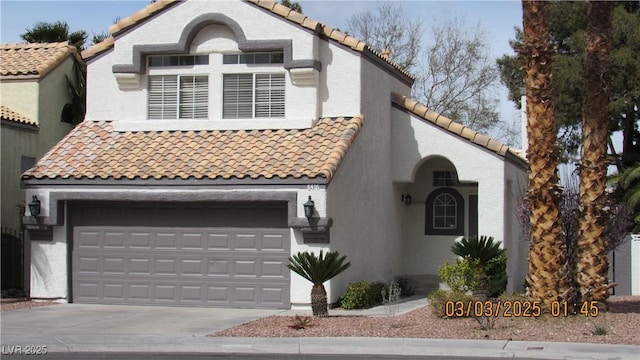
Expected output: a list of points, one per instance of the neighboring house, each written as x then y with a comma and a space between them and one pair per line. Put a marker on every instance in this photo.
34, 92
209, 127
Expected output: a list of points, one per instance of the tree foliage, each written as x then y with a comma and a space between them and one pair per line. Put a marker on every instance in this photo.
388, 27
568, 29
295, 6
58, 31
455, 74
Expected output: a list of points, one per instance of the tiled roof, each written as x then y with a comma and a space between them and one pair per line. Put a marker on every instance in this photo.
10, 115
272, 6
450, 125
34, 60
94, 151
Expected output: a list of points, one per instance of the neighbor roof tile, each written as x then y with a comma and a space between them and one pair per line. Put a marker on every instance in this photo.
94, 150
10, 115
35, 60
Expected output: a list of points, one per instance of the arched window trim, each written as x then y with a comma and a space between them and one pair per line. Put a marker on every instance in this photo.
430, 228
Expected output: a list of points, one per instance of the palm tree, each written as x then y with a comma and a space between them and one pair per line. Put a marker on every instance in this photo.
591, 261
43, 32
548, 277
318, 270
628, 182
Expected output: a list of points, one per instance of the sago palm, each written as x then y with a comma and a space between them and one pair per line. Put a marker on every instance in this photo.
481, 248
318, 269
548, 277
591, 254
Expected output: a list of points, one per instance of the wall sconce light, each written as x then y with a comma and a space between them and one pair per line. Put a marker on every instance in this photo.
34, 206
406, 199
308, 208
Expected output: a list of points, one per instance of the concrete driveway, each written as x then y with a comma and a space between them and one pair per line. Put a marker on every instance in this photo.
83, 319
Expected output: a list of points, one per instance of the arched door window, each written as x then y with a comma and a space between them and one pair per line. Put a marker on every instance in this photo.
444, 213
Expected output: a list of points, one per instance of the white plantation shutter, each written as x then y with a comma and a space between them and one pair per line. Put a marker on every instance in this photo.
190, 102
163, 97
247, 96
237, 102
194, 97
269, 95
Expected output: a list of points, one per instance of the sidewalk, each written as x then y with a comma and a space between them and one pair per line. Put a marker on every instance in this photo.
77, 328
473, 349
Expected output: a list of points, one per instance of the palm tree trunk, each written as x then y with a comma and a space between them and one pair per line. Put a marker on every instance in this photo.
548, 278
319, 301
591, 255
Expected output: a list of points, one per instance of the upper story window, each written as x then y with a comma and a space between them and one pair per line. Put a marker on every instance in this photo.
252, 86
253, 58
178, 60
178, 97
253, 96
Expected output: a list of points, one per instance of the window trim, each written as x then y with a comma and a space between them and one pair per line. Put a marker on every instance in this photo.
430, 228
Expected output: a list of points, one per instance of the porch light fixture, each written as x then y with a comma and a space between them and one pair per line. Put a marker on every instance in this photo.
34, 206
308, 208
406, 199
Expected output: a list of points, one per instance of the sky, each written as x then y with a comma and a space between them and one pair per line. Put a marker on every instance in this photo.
497, 18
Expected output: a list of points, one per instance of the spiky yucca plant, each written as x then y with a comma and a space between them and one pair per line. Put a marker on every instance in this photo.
318, 269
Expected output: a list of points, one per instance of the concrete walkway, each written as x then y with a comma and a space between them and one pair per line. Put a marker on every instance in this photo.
77, 328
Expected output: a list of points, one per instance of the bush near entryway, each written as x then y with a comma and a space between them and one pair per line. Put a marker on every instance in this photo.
491, 261
363, 295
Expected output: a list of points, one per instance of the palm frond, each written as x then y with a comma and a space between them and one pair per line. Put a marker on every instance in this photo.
318, 269
481, 248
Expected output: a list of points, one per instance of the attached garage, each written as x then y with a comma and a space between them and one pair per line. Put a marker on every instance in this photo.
189, 254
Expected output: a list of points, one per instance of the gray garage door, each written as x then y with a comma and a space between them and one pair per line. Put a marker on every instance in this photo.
176, 265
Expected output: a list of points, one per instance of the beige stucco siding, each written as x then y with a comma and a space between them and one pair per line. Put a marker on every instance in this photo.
21, 96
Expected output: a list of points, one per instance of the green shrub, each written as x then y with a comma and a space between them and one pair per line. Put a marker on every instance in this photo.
461, 276
405, 287
439, 298
375, 293
363, 295
496, 271
356, 296
492, 261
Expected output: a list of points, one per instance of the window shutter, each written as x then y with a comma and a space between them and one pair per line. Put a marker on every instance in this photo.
269, 95
163, 97
237, 96
194, 97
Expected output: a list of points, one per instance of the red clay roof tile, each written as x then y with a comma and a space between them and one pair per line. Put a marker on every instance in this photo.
94, 150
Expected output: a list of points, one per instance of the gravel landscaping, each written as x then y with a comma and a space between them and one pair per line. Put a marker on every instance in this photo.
619, 326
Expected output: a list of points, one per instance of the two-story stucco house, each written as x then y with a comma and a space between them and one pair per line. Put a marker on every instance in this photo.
211, 124
33, 94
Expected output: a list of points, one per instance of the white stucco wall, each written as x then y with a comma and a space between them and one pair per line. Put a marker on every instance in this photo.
415, 140
301, 106
362, 199
49, 267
